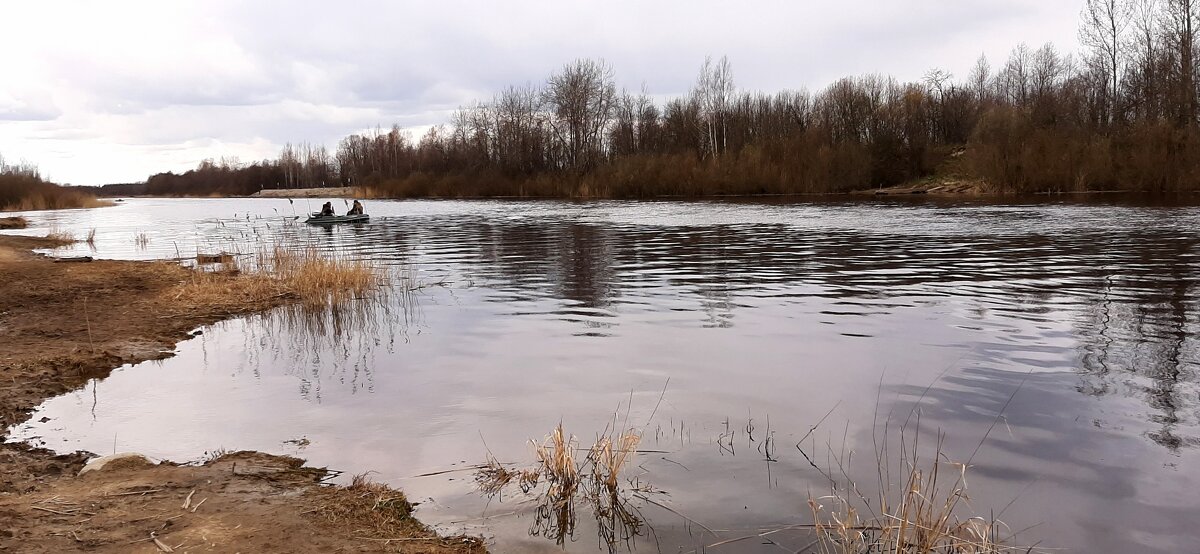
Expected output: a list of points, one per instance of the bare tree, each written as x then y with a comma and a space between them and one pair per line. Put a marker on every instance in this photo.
981, 73
1015, 78
1102, 30
1180, 28
1142, 53
580, 99
714, 90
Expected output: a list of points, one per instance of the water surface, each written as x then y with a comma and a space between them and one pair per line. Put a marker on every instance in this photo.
1064, 332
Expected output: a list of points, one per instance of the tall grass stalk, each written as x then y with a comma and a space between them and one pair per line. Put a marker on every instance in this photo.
59, 234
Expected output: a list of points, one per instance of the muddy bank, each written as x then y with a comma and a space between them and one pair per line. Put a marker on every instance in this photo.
62, 324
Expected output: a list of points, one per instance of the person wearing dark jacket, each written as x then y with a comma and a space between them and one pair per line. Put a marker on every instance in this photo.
356, 209
327, 209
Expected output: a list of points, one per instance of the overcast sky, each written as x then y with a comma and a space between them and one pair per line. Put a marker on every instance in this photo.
101, 92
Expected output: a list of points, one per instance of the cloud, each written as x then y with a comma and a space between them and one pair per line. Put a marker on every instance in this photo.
29, 108
143, 80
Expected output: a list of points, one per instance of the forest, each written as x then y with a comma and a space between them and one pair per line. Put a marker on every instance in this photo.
1121, 114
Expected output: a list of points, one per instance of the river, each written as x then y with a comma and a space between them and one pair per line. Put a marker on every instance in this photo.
758, 346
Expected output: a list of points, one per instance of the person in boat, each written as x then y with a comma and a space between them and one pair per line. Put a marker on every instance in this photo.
356, 209
327, 209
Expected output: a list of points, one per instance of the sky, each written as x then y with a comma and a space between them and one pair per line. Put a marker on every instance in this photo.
106, 92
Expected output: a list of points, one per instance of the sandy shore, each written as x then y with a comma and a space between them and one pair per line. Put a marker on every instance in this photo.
933, 186
247, 502
328, 192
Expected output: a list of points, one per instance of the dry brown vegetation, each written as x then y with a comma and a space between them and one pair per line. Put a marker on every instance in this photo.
594, 480
19, 193
314, 277
375, 513
60, 235
15, 222
922, 512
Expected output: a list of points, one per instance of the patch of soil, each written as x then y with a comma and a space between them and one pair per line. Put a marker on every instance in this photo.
64, 323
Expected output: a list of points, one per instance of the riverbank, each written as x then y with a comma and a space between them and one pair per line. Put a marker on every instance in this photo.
324, 192
934, 187
66, 323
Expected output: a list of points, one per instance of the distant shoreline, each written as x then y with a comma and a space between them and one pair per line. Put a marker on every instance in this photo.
322, 192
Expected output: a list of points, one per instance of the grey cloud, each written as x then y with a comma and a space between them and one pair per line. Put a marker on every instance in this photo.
28, 110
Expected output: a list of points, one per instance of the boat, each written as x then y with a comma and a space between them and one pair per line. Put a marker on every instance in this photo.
318, 219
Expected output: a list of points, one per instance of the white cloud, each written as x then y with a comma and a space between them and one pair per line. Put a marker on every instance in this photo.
111, 91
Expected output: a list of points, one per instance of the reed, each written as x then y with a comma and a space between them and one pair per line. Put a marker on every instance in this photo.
91, 238
923, 508
15, 222
556, 454
20, 192
142, 240
58, 234
320, 278
594, 480
315, 278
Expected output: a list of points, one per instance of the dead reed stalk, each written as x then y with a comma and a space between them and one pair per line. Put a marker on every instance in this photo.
926, 512
59, 234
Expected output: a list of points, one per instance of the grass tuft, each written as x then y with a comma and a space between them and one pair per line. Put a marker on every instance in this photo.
59, 234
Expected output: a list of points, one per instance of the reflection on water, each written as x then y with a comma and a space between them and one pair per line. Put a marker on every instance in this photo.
549, 311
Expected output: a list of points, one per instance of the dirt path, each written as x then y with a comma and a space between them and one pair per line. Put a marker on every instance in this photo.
64, 323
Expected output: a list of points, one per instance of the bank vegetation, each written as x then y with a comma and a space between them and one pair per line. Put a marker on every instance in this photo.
22, 188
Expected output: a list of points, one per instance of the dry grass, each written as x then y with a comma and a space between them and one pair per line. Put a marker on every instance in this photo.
919, 516
372, 512
317, 279
57, 202
321, 278
556, 454
16, 222
91, 238
493, 477
141, 240
923, 508
595, 479
58, 234
21, 192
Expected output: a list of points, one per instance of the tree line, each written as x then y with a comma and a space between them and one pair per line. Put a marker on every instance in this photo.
1122, 114
22, 187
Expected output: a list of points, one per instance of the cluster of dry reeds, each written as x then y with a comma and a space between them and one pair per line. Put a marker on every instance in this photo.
141, 240
16, 222
59, 234
318, 279
922, 508
594, 479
